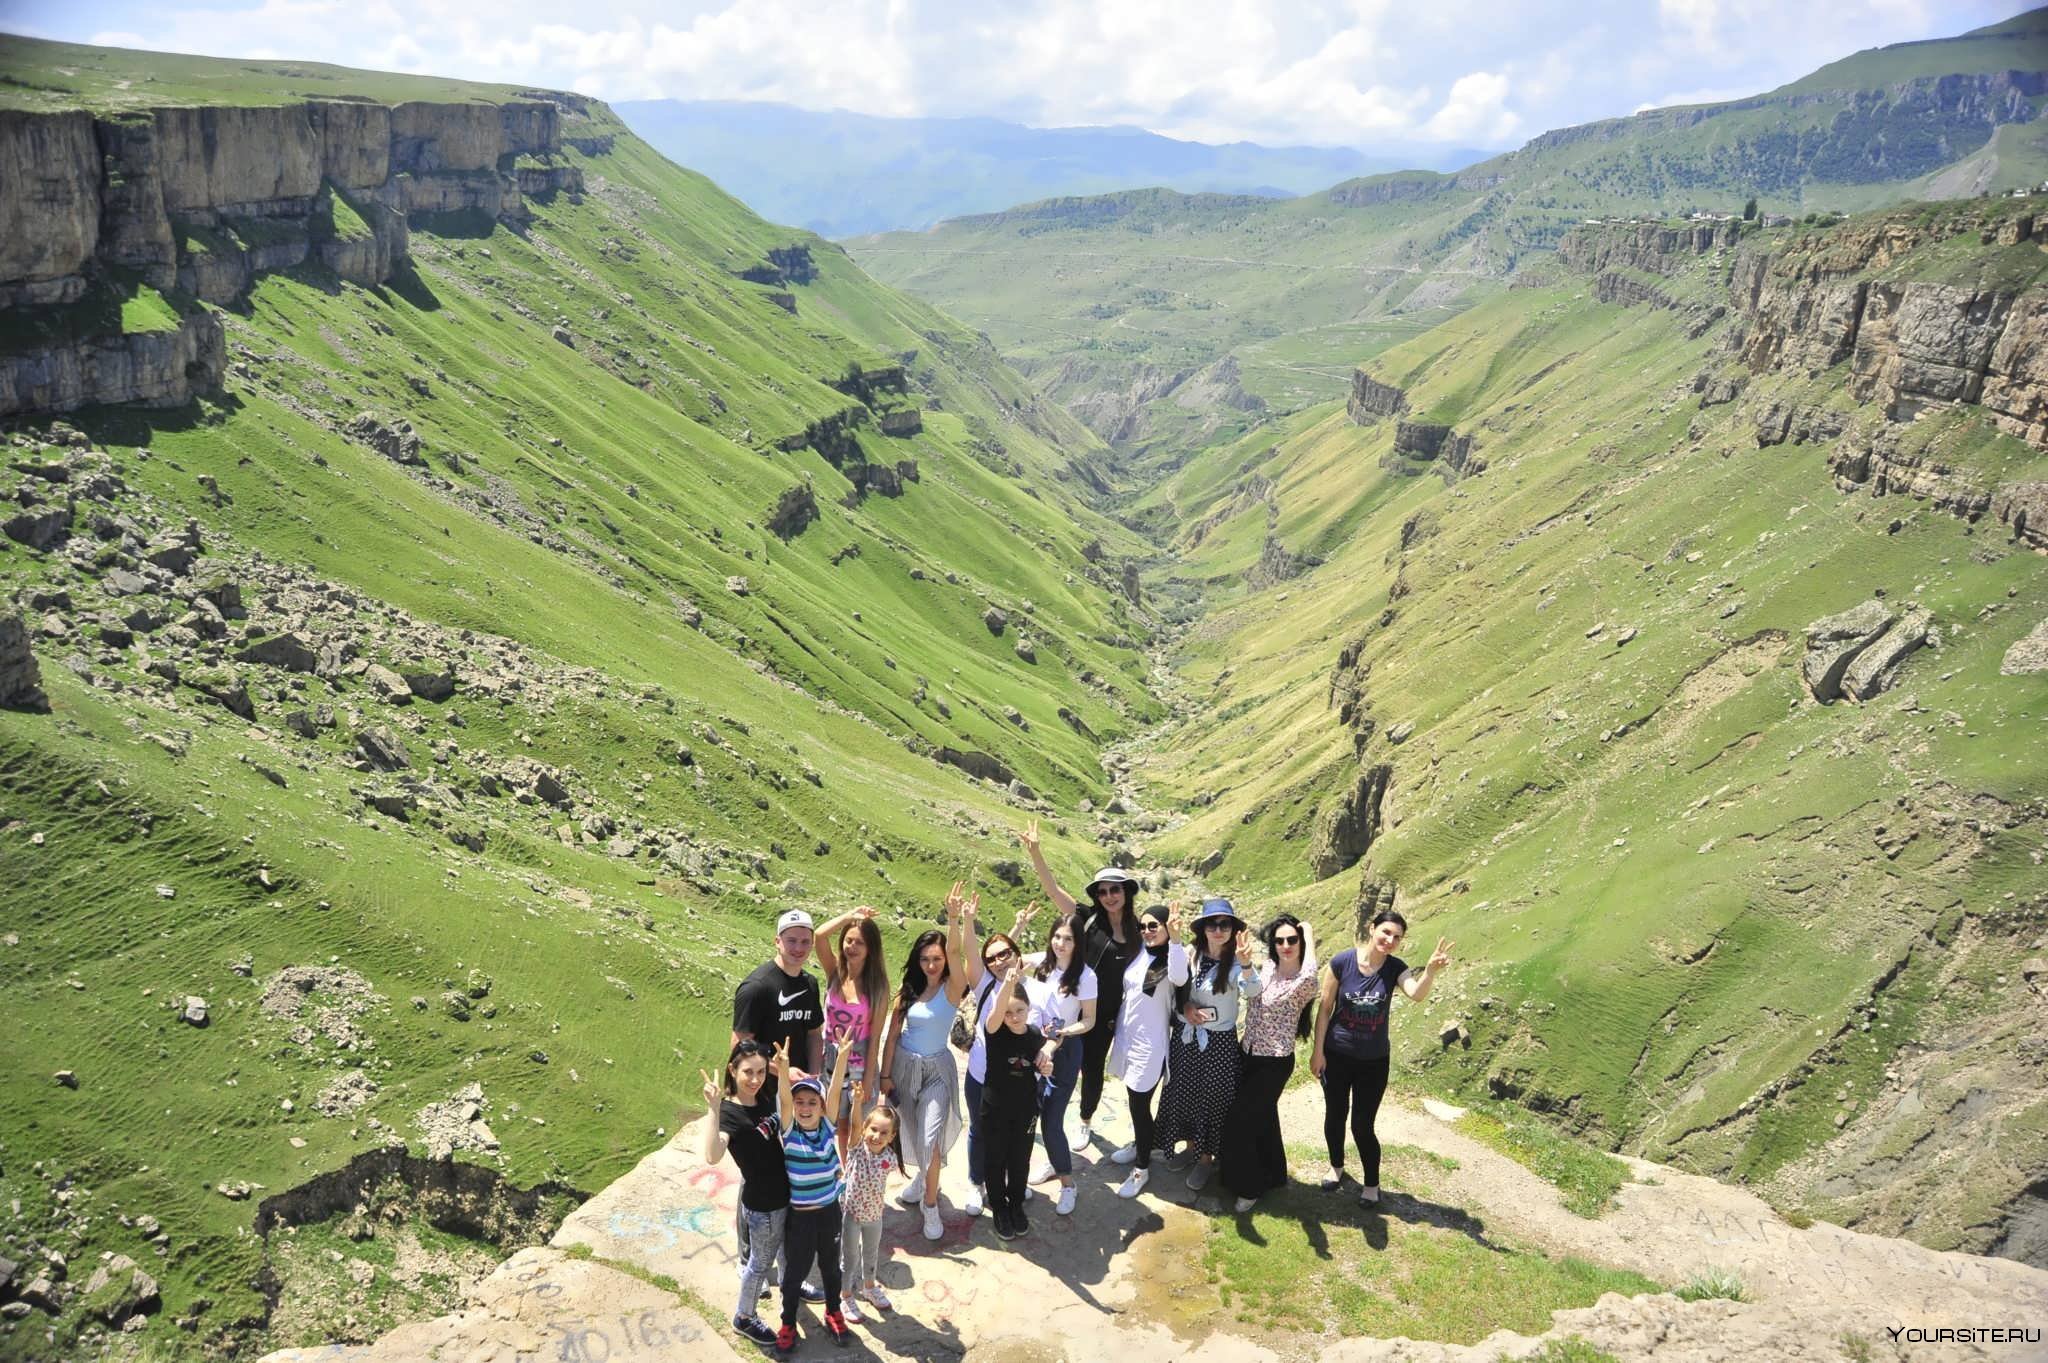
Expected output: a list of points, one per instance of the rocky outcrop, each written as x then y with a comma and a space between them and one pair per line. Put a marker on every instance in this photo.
1858, 653
1783, 421
2024, 507
21, 680
1809, 305
1654, 248
1370, 399
1277, 563
792, 512
1346, 827
832, 437
2027, 656
148, 368
1877, 464
208, 198
1456, 456
904, 421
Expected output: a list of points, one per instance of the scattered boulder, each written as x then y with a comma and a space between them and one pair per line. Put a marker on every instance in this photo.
738, 585
794, 510
66, 1079
1026, 650
38, 529
119, 1289
195, 1010
430, 683
21, 680
287, 651
996, 618
1844, 655
2029, 654
223, 686
381, 748
346, 1094
396, 441
387, 684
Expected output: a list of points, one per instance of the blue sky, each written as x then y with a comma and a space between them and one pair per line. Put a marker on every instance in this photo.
1367, 73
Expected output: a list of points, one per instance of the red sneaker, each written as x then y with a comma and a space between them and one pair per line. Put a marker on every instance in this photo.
785, 1340
836, 1325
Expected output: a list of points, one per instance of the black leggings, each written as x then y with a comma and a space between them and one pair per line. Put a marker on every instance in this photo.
812, 1234
1095, 1045
1358, 1085
1141, 1122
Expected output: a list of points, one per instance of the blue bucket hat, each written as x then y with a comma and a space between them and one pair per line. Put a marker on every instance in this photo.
1217, 908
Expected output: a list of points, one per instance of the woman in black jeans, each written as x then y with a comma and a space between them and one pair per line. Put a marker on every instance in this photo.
1109, 939
1351, 1054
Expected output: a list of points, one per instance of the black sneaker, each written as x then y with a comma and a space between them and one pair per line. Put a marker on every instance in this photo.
754, 1328
1006, 1228
1020, 1224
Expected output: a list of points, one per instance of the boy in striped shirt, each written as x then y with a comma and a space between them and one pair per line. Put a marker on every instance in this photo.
811, 1153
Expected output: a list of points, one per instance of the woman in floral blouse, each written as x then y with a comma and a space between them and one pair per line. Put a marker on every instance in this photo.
1254, 1158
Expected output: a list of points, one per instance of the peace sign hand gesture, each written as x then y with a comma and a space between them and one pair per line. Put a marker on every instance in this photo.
1028, 837
1024, 917
713, 1095
955, 901
1173, 919
1441, 957
780, 1064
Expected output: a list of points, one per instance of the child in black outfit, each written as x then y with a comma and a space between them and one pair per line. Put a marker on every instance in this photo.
1017, 1056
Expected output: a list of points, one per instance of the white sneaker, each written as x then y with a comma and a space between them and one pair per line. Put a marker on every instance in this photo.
1199, 1176
1086, 1134
976, 1199
1026, 1197
1135, 1184
1126, 1155
1245, 1204
1369, 1195
849, 1310
913, 1192
877, 1298
933, 1227
1043, 1173
1065, 1206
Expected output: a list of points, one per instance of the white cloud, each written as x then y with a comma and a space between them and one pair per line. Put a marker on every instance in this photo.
1475, 112
1362, 72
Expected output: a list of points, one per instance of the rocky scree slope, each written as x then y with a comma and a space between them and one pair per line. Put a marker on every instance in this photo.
407, 738
1701, 716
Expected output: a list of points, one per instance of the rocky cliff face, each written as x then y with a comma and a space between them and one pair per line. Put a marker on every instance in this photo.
1911, 345
1370, 399
205, 199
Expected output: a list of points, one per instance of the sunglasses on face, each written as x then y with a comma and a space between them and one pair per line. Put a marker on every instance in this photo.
1216, 927
999, 954
1151, 926
1286, 941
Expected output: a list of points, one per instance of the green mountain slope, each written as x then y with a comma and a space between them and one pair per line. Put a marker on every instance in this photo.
1549, 689
533, 468
1119, 306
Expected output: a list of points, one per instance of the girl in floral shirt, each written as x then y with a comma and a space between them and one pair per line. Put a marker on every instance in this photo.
869, 1162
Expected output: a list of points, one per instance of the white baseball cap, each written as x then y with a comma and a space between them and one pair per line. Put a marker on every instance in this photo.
794, 918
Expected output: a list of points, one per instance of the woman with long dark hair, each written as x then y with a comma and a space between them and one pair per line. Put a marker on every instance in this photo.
1064, 994
1352, 1056
1205, 1056
986, 970
1253, 1161
1138, 1056
1109, 941
856, 1006
918, 1073
743, 1125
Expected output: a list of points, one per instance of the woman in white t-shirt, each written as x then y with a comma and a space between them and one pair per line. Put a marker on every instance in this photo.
1063, 993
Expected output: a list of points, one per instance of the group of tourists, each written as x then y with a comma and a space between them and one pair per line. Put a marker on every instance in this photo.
828, 1091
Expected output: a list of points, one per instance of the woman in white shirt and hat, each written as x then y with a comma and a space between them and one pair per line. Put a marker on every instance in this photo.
1138, 1055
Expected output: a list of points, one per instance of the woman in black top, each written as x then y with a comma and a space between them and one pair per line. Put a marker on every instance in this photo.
745, 1127
1352, 1055
1109, 941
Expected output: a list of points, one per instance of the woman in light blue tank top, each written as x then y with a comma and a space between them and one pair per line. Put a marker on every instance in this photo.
919, 1076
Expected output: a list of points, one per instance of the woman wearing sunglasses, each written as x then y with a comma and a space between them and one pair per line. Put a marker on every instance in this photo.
1254, 1157
1205, 1057
1138, 1056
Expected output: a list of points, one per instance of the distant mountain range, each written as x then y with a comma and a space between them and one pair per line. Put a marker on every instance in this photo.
842, 174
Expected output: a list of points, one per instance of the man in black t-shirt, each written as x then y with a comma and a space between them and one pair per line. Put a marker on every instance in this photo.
779, 1002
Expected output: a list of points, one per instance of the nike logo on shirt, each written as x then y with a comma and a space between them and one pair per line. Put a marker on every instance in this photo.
786, 999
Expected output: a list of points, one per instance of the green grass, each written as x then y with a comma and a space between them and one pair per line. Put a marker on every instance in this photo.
1570, 1349
1716, 1284
1305, 1263
148, 310
1588, 1178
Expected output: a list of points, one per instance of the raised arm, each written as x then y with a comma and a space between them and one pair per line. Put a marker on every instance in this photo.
714, 1139
956, 946
1062, 901
1001, 1010
780, 1065
1416, 983
970, 940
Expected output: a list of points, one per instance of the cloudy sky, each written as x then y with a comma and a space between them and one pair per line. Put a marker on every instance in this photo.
1366, 73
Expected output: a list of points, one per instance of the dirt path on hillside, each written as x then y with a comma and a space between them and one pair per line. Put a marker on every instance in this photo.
1092, 1286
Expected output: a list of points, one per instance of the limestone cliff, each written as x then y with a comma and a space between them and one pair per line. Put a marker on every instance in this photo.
1370, 399
204, 199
